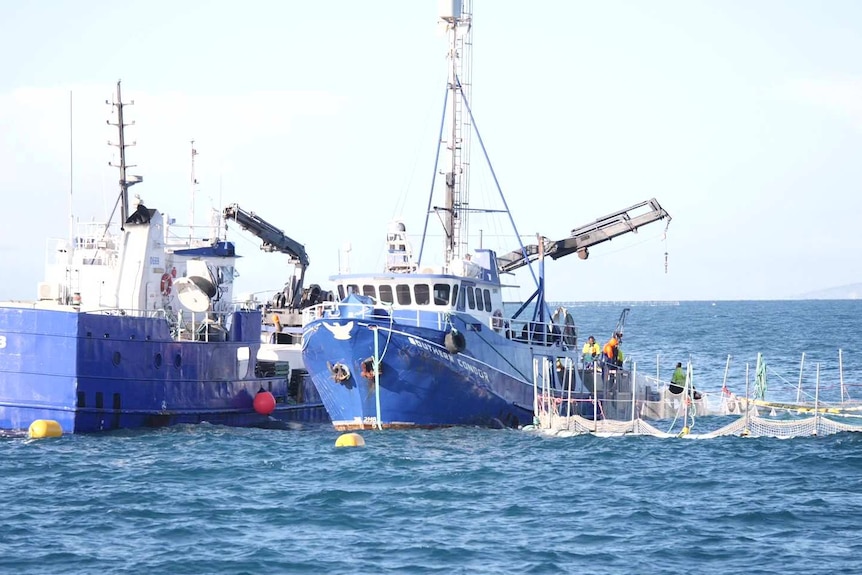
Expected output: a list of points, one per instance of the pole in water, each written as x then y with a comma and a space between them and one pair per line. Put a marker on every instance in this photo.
841, 373
799, 385
377, 378
817, 400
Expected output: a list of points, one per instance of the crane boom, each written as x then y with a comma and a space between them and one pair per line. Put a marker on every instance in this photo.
272, 237
601, 230
274, 240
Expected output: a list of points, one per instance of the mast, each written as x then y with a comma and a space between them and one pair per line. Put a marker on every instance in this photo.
459, 20
125, 183
194, 184
71, 173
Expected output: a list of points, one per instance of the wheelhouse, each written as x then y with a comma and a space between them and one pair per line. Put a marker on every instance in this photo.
426, 292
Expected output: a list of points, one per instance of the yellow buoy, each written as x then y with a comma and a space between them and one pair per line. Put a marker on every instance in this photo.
44, 428
350, 440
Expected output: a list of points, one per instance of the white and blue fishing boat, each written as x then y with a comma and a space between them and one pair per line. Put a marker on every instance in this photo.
419, 345
135, 326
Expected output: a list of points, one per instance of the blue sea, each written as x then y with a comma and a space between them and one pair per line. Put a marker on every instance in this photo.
207, 499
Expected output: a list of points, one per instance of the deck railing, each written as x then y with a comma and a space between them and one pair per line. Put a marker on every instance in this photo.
517, 329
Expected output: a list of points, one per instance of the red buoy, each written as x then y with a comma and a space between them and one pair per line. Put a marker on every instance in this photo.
264, 402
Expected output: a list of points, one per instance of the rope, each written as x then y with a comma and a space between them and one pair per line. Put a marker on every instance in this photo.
433, 177
664, 238
388, 331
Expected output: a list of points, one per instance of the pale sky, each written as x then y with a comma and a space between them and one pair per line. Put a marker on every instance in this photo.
743, 118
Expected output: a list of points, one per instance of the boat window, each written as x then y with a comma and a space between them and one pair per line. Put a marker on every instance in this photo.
487, 294
369, 291
422, 294
471, 298
353, 288
455, 294
441, 294
340, 291
402, 291
386, 294
480, 303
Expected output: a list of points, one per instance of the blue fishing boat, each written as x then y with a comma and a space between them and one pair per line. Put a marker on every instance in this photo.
135, 326
418, 345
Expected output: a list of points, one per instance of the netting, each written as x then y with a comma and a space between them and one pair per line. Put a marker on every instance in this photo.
642, 405
747, 425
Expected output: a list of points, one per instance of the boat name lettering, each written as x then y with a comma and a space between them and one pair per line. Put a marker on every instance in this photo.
2, 341
463, 364
430, 348
473, 369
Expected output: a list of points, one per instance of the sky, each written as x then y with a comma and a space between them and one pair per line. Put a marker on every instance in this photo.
743, 119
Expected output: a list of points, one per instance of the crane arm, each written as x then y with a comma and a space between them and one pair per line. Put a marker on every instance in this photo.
601, 230
273, 238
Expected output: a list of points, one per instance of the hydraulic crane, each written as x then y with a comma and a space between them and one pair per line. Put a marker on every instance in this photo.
274, 240
601, 230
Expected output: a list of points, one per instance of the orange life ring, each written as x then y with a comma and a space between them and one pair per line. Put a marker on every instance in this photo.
167, 282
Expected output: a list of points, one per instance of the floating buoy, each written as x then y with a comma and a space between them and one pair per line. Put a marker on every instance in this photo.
264, 402
350, 440
44, 428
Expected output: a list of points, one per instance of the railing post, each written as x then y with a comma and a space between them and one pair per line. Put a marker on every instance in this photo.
535, 392
634, 386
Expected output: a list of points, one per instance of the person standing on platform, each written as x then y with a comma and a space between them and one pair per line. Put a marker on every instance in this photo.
609, 355
677, 380
590, 352
677, 383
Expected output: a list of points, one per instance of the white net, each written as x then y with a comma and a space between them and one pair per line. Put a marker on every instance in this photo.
750, 425
648, 407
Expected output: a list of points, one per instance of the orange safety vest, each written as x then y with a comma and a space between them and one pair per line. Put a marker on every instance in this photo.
610, 349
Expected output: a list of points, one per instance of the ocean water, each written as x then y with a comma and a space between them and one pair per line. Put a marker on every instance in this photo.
208, 499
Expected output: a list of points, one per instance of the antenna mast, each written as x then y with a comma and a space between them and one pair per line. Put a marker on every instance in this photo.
194, 184
71, 172
459, 22
125, 183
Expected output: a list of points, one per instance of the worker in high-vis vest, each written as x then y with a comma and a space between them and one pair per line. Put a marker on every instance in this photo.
590, 352
609, 354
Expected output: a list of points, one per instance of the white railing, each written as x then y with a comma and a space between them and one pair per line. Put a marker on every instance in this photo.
523, 330
184, 325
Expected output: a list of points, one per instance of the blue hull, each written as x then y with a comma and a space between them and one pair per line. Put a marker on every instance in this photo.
95, 372
421, 384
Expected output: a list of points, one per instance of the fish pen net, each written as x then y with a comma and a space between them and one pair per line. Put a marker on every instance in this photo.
645, 407
749, 425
